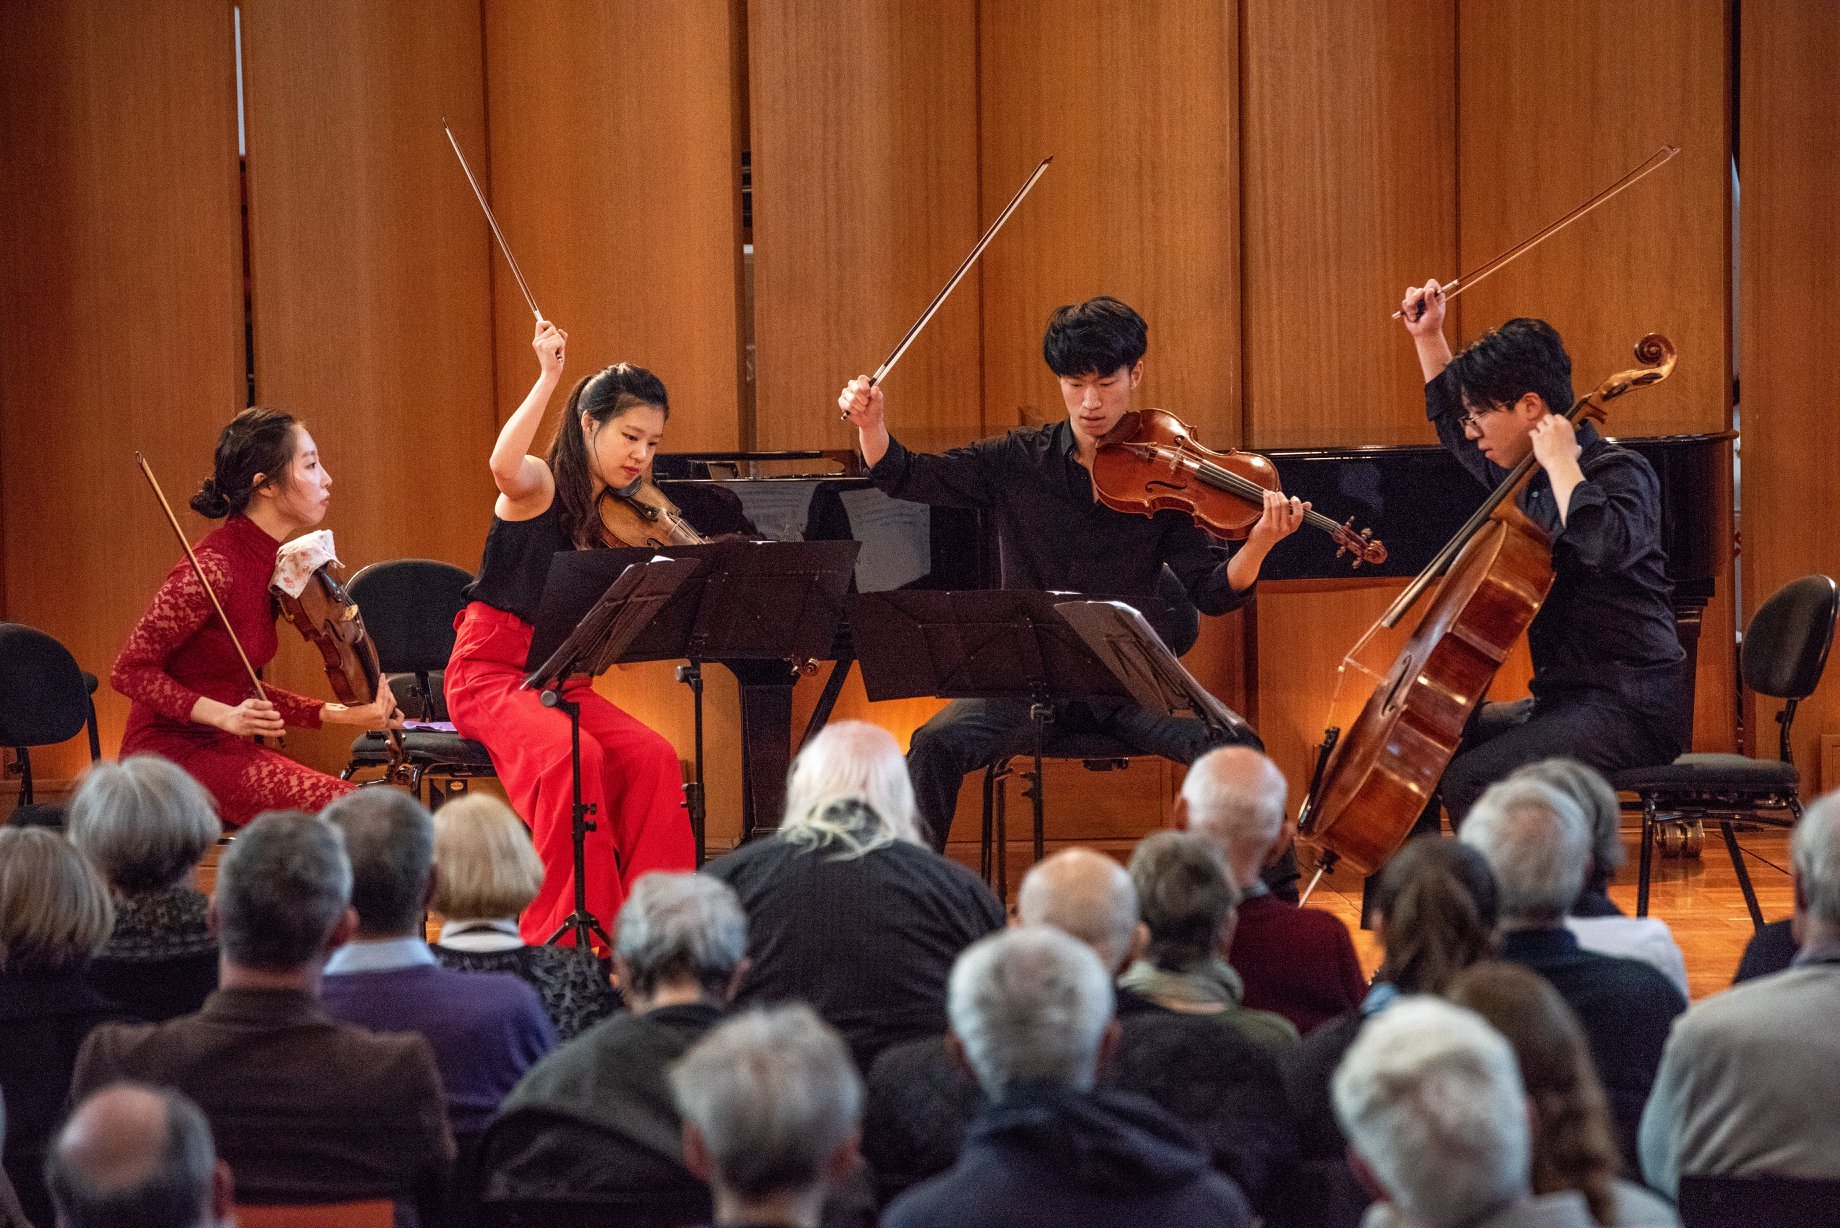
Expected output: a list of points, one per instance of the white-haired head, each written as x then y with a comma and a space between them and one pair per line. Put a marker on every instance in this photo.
1235, 797
1030, 1006
1537, 845
1430, 1098
1814, 848
849, 793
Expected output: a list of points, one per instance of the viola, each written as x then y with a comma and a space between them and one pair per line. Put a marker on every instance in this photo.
1151, 462
643, 515
1403, 697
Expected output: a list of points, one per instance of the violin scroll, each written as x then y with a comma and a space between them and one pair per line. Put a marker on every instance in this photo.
1362, 544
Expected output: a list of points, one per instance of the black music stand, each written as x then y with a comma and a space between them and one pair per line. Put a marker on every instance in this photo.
597, 638
1124, 640
992, 644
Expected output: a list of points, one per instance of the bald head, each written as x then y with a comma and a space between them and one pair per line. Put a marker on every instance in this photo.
135, 1155
1085, 894
1235, 797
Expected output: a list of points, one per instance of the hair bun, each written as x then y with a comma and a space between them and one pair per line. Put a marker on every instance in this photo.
210, 501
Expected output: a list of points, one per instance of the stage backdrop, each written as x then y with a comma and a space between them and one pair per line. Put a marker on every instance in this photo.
1262, 178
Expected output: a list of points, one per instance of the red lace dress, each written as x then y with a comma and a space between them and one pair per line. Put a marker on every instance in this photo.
179, 651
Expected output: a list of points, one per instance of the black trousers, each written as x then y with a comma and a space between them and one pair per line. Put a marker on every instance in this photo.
970, 734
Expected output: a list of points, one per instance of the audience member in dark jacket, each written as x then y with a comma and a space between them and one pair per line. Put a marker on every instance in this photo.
486, 873
1771, 949
847, 907
1031, 1015
144, 824
303, 1109
54, 914
1295, 962
486, 1029
1537, 845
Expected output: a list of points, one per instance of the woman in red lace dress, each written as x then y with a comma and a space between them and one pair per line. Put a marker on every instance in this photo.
193, 701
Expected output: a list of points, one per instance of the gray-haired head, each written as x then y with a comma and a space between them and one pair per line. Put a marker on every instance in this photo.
1537, 846
1595, 800
143, 822
133, 1156
389, 837
1814, 848
1431, 1098
55, 911
1030, 1006
1084, 893
1184, 898
849, 792
774, 1097
1235, 797
681, 927
282, 885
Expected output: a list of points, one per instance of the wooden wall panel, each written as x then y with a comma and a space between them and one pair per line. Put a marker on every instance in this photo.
1138, 105
1350, 181
120, 308
1539, 134
1788, 231
369, 272
619, 188
864, 122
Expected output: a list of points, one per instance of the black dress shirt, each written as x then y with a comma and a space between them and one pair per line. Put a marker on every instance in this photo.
1053, 535
1607, 627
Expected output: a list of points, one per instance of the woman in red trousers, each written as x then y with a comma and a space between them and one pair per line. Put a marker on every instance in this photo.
193, 700
629, 773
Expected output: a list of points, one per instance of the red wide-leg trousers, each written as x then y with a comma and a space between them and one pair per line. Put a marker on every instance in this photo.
629, 773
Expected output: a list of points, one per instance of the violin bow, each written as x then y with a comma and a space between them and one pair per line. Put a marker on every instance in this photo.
1655, 162
261, 692
939, 299
491, 221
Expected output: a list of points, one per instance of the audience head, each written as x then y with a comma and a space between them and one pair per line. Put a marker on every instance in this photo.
283, 893
1031, 1006
133, 1156
485, 868
55, 911
1595, 800
1537, 846
1432, 1105
1437, 913
683, 933
143, 822
1235, 797
389, 838
849, 788
1088, 895
1184, 898
1814, 849
1573, 1148
771, 1104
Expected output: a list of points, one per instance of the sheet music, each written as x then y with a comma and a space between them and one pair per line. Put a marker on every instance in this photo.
780, 510
896, 537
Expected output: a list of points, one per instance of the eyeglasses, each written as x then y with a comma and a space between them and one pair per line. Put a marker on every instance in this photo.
1473, 421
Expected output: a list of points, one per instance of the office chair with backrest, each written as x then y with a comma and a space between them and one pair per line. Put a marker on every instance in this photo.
1097, 751
409, 607
1783, 654
44, 698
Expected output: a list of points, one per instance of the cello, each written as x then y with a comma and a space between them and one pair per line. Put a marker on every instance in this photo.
1403, 698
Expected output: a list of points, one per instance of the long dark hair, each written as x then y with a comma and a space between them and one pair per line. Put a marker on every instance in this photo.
1437, 913
257, 441
603, 396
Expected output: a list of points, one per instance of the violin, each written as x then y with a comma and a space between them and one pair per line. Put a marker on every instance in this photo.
327, 618
1151, 462
643, 515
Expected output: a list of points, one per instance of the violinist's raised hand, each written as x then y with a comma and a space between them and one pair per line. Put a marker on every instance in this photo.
549, 344
864, 408
1281, 518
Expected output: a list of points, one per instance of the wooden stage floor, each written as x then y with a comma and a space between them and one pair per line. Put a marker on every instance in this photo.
1699, 899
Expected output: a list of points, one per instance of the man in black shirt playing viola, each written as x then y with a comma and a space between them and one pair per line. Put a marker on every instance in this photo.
1610, 683
1035, 484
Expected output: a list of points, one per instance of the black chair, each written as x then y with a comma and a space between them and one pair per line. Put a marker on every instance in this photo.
1784, 651
1763, 1201
1098, 752
409, 607
44, 698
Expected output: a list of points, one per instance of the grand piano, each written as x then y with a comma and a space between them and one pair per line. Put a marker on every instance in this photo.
1414, 498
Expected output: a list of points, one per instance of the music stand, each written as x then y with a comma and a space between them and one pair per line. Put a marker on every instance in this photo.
990, 644
1123, 638
600, 635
